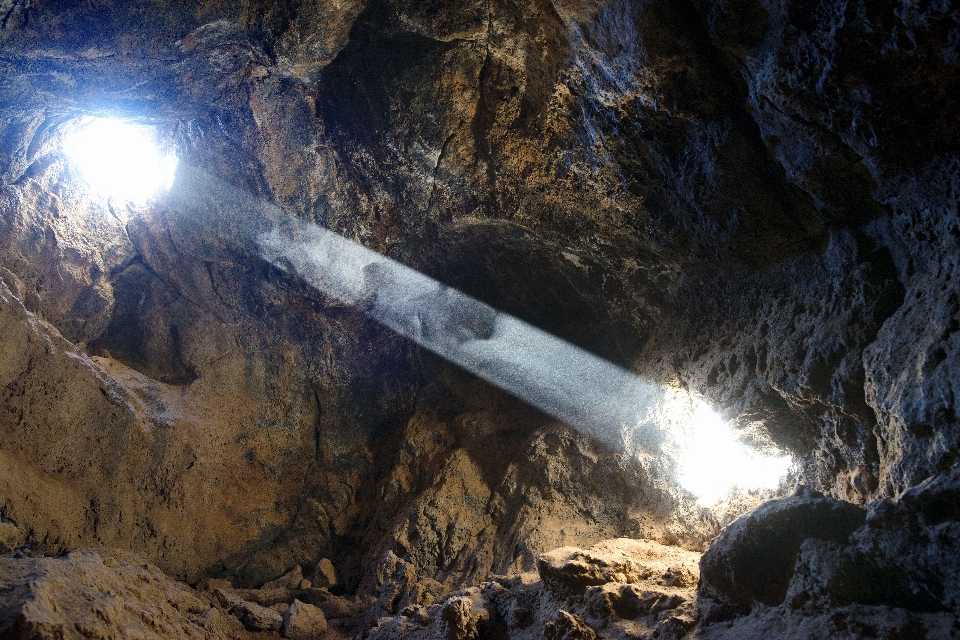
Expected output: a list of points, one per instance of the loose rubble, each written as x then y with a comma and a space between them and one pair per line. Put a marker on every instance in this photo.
620, 588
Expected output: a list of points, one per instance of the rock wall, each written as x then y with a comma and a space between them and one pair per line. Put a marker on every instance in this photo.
753, 200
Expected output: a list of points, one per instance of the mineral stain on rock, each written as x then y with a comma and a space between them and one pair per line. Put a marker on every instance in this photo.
753, 202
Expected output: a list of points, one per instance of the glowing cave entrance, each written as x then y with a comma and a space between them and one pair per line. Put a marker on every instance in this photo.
616, 406
713, 462
119, 159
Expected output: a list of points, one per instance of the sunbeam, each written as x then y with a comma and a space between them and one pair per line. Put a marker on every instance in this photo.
608, 402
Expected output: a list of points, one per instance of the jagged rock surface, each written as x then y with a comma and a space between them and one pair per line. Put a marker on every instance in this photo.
752, 560
753, 200
634, 589
303, 621
809, 566
101, 594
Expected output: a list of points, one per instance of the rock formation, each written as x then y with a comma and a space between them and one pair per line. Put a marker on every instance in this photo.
751, 201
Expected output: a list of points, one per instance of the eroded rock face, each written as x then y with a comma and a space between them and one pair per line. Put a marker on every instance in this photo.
830, 85
752, 200
96, 453
753, 559
95, 594
826, 567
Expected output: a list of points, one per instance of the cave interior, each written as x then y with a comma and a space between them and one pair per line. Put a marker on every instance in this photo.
472, 320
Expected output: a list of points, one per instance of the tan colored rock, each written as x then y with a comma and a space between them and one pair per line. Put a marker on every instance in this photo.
289, 580
217, 583
658, 601
79, 435
10, 536
457, 619
623, 560
581, 125
630, 601
229, 599
335, 607
303, 622
568, 626
573, 569
97, 593
256, 617
325, 574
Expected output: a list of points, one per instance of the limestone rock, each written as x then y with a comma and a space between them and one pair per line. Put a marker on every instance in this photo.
400, 586
877, 566
95, 593
457, 620
755, 201
216, 583
623, 560
526, 608
571, 569
289, 580
335, 607
324, 574
303, 622
868, 580
630, 601
752, 560
567, 626
228, 598
256, 617
122, 424
464, 615
10, 536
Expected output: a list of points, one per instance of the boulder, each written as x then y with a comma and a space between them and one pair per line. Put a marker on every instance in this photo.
568, 626
10, 536
753, 558
325, 575
256, 617
457, 619
290, 580
303, 621
623, 560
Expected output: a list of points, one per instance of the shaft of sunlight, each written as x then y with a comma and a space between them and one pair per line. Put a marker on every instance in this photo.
612, 404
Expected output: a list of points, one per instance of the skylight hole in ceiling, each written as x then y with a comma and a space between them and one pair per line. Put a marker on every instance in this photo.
119, 159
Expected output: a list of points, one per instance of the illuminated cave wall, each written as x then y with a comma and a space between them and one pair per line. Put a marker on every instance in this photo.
755, 201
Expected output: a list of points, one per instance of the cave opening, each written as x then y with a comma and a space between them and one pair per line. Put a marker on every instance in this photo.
118, 159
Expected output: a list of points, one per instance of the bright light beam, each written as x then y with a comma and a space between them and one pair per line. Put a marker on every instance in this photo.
562, 380
566, 382
118, 159
714, 462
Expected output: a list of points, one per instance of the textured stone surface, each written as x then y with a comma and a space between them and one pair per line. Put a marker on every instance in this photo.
895, 574
751, 200
627, 561
752, 560
325, 574
100, 594
303, 621
256, 617
96, 453
653, 598
847, 97
567, 626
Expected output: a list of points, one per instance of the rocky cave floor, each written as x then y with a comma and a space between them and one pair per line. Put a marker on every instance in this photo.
795, 567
